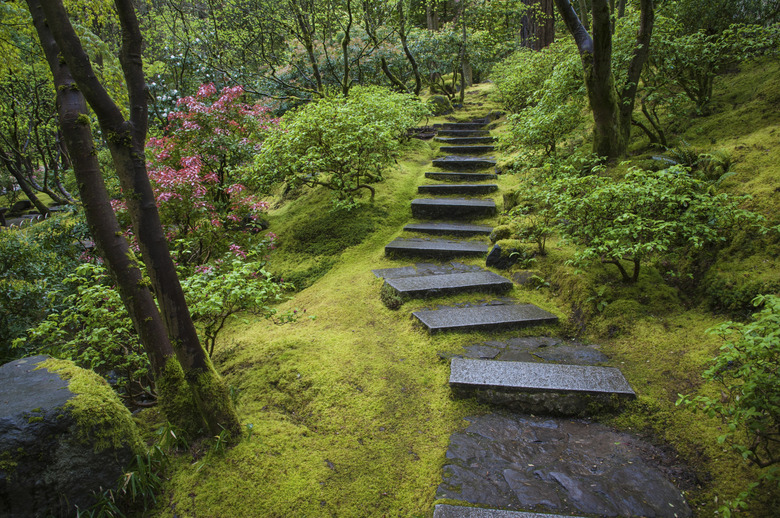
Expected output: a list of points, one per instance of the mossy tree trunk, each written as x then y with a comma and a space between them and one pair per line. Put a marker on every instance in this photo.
611, 104
126, 139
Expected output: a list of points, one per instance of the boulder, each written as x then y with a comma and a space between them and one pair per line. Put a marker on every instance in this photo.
19, 207
64, 435
440, 105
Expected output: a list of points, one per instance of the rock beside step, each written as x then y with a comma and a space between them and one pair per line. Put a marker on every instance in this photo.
463, 163
450, 284
438, 248
449, 229
540, 387
457, 511
452, 208
459, 176
494, 316
473, 189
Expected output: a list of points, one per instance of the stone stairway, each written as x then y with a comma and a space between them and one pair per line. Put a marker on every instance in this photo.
530, 375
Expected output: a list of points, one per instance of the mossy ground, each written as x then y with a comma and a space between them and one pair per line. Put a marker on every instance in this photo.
349, 407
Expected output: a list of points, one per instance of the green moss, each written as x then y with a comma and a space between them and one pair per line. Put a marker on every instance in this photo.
36, 419
101, 417
176, 401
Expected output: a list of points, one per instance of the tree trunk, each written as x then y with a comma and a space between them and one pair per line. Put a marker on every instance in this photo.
24, 185
612, 106
407, 52
126, 141
174, 395
544, 24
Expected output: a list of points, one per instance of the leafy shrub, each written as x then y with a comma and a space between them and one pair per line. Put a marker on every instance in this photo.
747, 371
341, 143
34, 261
646, 214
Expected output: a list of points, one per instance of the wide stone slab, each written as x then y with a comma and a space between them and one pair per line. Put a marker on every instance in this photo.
465, 140
434, 285
425, 269
460, 176
484, 317
435, 248
463, 133
458, 511
467, 150
458, 188
452, 208
449, 229
463, 163
539, 377
463, 125
563, 466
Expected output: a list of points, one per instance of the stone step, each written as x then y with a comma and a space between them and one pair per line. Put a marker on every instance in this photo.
540, 388
453, 176
463, 125
467, 150
452, 208
458, 511
462, 133
450, 284
449, 229
463, 163
458, 188
465, 140
426, 269
439, 248
484, 317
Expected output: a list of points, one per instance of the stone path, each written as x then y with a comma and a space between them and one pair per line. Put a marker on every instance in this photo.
516, 465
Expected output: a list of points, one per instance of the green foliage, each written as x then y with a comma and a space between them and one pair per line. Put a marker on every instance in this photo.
232, 285
747, 371
646, 214
93, 329
546, 91
33, 263
341, 143
390, 297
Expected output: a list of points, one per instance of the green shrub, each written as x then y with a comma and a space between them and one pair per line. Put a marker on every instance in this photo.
647, 214
341, 143
747, 371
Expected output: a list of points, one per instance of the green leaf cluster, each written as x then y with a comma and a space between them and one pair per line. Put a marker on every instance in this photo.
341, 143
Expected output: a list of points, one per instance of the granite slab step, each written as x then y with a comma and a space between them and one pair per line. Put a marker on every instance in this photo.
449, 229
465, 140
467, 150
463, 133
439, 248
463, 163
426, 269
488, 317
458, 511
540, 388
450, 284
452, 208
459, 188
460, 176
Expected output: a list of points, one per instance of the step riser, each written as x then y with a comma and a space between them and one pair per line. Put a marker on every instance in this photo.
431, 254
442, 292
464, 165
448, 231
460, 177
457, 189
463, 133
463, 125
455, 141
451, 212
467, 150
544, 403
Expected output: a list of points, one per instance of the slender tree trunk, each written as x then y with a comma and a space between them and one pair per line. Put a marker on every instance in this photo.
174, 395
345, 50
407, 52
25, 186
126, 141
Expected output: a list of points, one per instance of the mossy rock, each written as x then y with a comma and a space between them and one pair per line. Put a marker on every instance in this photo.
64, 435
509, 252
440, 105
501, 232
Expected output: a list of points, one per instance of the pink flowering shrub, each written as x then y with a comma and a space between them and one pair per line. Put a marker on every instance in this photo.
198, 174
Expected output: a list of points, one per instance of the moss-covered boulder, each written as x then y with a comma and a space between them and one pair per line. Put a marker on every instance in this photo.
64, 434
440, 105
509, 252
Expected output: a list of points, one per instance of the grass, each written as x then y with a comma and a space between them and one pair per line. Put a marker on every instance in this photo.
350, 410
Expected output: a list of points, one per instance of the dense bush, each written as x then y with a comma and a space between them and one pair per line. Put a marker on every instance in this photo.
647, 214
341, 143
